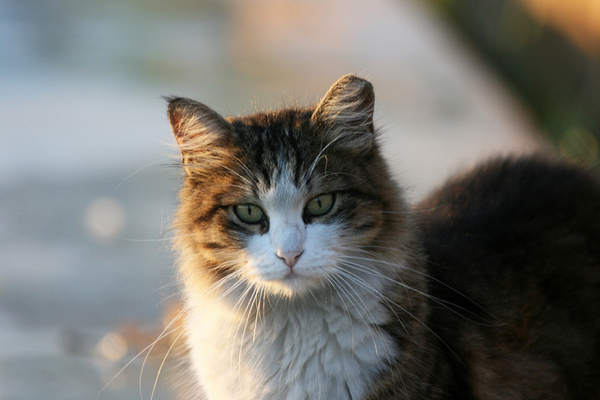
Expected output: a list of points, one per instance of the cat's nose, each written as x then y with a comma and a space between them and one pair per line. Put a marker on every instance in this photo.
289, 258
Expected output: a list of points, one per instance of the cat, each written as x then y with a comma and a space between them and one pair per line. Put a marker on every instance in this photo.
306, 275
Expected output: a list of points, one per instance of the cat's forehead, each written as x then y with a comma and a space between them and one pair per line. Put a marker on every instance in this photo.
276, 147
282, 193
275, 132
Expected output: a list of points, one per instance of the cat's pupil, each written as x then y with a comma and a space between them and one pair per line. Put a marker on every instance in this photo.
320, 205
249, 213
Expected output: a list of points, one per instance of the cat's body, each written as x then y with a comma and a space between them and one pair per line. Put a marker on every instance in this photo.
513, 270
307, 276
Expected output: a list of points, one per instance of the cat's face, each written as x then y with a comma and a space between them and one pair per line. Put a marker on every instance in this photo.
282, 200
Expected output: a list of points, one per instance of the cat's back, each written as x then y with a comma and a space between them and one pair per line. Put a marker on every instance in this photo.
513, 252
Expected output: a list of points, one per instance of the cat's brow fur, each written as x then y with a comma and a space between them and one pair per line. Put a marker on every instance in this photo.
489, 290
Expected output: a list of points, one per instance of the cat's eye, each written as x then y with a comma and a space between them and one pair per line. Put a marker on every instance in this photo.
320, 205
249, 213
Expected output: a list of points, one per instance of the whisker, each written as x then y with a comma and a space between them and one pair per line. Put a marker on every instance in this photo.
166, 332
446, 304
333, 282
162, 336
363, 307
415, 318
163, 362
157, 240
142, 168
166, 286
382, 297
261, 290
322, 177
415, 211
249, 289
205, 188
153, 345
313, 165
167, 298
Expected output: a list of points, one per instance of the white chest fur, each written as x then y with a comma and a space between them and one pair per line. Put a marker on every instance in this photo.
328, 350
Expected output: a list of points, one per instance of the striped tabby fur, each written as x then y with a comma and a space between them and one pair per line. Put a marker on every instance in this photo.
306, 275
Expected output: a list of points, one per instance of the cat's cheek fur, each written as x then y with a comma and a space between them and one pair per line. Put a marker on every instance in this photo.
317, 263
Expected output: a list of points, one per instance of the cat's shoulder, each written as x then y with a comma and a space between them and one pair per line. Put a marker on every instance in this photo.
518, 226
513, 190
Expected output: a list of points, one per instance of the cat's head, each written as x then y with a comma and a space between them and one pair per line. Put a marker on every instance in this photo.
282, 199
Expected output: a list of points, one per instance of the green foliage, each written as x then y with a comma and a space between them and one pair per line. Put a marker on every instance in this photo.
560, 83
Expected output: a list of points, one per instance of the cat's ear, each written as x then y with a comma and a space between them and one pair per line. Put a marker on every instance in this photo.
200, 132
347, 109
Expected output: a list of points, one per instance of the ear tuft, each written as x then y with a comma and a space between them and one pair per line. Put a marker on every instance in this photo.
197, 128
348, 109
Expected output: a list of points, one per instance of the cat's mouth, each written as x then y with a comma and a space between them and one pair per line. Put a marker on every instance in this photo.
292, 277
291, 283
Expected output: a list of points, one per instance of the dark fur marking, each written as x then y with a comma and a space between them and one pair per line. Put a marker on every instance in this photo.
214, 245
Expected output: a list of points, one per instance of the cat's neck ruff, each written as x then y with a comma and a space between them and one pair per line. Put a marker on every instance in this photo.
299, 349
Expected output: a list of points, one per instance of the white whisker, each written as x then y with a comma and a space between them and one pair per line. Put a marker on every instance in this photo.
163, 362
448, 305
149, 347
142, 168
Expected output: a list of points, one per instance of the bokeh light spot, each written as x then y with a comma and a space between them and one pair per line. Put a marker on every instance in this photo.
112, 347
104, 218
579, 145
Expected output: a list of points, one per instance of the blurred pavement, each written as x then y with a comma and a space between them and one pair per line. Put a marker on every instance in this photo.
88, 175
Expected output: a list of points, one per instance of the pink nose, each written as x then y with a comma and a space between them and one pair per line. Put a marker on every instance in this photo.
290, 258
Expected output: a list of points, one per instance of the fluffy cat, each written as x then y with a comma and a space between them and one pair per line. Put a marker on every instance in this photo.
307, 276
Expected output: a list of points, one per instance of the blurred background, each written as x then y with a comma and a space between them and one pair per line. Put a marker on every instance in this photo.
88, 166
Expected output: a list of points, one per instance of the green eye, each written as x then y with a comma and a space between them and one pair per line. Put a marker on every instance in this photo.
320, 205
249, 213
